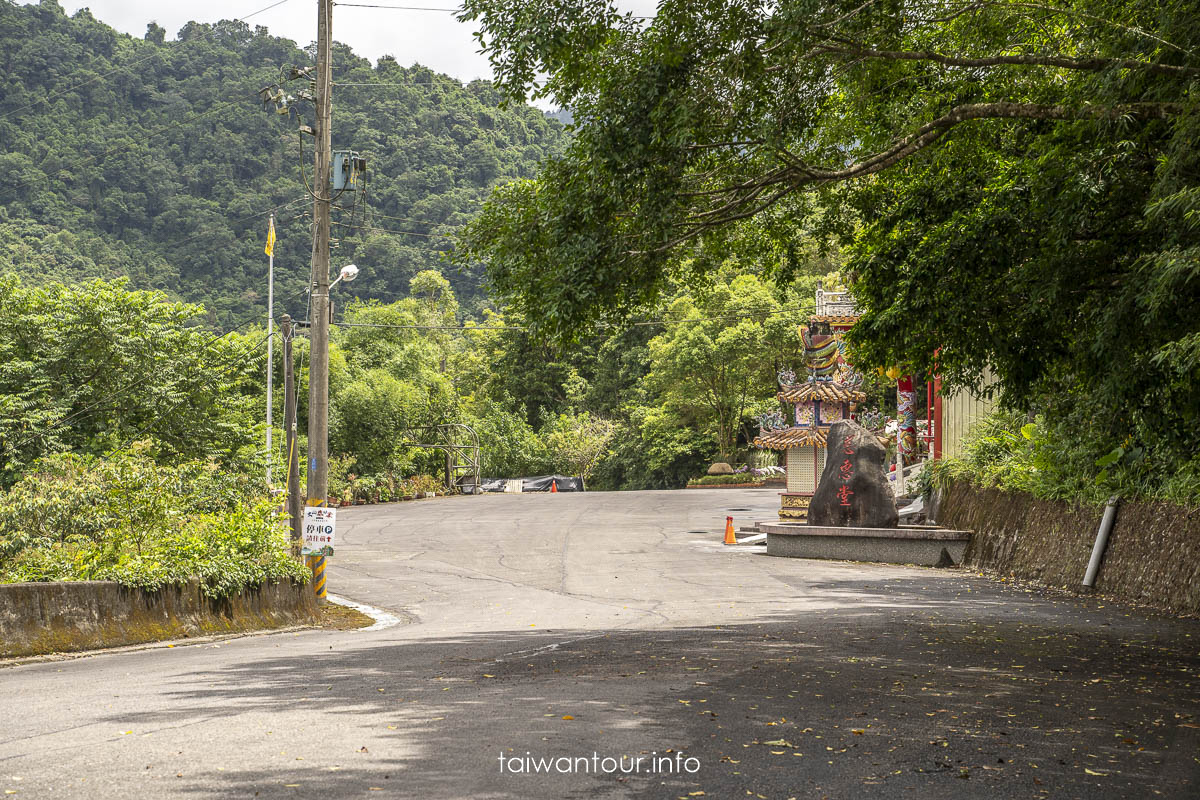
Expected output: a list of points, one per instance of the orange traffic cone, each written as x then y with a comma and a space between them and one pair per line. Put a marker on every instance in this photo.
729, 537
553, 486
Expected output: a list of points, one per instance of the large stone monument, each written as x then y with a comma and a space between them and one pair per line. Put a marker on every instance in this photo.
853, 491
852, 516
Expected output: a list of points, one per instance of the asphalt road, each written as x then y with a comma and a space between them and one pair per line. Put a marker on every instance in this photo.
600, 626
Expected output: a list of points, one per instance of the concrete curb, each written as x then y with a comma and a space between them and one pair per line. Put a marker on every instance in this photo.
163, 644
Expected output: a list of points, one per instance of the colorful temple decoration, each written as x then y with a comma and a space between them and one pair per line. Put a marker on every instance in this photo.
823, 353
830, 394
906, 431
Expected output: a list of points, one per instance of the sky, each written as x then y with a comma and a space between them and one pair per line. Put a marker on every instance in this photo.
432, 38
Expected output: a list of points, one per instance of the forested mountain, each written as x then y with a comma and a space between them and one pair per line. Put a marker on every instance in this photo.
154, 158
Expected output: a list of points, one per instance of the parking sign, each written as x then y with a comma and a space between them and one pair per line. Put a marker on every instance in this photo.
319, 525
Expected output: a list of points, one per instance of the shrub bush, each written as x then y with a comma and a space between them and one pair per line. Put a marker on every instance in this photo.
127, 519
725, 480
1006, 451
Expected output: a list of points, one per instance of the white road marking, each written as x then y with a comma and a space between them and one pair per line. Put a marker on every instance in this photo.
383, 619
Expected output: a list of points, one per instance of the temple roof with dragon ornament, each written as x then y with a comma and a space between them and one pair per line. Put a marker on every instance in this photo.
834, 320
825, 391
791, 437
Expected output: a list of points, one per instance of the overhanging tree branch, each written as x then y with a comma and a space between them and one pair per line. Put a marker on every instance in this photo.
1062, 62
745, 199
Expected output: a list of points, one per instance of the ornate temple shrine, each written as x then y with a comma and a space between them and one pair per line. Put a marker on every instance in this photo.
830, 393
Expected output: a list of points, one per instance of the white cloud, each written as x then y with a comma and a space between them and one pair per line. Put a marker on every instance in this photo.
434, 39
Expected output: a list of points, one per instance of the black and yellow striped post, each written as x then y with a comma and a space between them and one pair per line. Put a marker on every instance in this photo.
317, 565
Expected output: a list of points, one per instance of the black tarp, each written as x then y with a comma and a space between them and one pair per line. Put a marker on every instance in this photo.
539, 484
542, 484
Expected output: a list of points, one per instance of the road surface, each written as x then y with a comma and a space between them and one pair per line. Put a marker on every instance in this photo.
552, 640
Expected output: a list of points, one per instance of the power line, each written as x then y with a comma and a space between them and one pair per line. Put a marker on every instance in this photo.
424, 8
240, 220
715, 318
233, 363
726, 316
398, 8
139, 140
119, 393
374, 229
124, 67
450, 81
429, 327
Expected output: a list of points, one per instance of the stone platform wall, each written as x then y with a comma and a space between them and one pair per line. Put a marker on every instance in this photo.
1153, 554
38, 618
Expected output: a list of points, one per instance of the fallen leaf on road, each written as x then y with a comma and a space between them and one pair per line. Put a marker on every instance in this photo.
567, 716
1092, 772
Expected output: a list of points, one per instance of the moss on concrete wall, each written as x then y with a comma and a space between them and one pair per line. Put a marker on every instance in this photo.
39, 618
1153, 555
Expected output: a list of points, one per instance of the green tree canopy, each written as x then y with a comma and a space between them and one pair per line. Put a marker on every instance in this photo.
1018, 182
716, 361
93, 367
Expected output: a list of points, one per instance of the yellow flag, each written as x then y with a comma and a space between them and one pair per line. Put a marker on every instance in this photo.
270, 248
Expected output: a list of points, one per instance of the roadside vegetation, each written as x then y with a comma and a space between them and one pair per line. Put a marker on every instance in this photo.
1006, 451
1015, 190
129, 447
128, 519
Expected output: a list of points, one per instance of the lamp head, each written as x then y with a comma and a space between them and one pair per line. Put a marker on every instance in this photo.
349, 272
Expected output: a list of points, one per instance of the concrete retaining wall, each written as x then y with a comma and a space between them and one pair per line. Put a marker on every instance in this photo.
38, 618
1153, 554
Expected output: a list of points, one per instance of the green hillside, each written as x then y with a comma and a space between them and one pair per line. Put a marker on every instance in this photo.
155, 159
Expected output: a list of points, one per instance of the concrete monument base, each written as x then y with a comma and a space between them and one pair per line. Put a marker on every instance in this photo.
927, 546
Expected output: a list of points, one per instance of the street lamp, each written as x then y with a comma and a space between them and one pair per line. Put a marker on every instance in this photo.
348, 273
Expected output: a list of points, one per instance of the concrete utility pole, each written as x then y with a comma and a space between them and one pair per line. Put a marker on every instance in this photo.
318, 379
289, 424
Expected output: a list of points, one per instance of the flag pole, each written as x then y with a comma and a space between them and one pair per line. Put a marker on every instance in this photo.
270, 337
